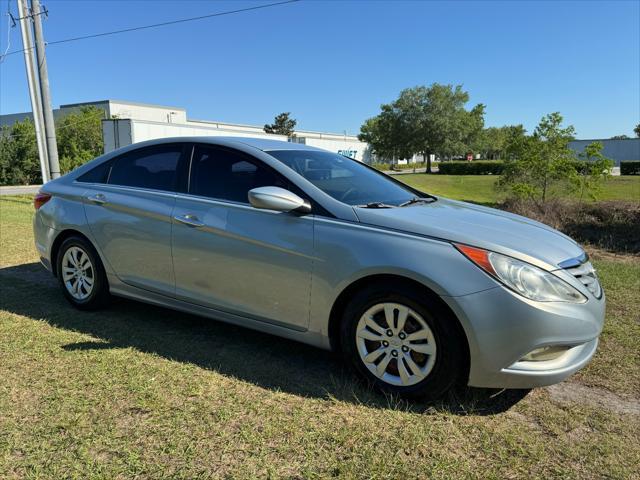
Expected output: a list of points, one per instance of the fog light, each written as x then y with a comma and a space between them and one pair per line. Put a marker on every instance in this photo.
545, 353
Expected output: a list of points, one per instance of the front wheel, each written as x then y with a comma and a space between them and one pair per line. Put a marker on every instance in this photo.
81, 274
402, 341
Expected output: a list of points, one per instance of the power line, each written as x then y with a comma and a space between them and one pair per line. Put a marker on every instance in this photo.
155, 25
9, 26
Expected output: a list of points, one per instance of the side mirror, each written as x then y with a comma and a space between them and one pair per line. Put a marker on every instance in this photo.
279, 199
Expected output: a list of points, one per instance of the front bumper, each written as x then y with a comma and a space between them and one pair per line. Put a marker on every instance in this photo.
502, 327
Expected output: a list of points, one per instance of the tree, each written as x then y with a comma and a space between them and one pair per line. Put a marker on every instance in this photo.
516, 135
386, 135
637, 130
595, 169
619, 137
542, 161
426, 120
282, 125
79, 136
493, 143
19, 161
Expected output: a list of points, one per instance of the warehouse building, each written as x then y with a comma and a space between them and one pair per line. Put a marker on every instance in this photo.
617, 149
131, 122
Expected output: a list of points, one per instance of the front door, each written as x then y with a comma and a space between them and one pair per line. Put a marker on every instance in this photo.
230, 256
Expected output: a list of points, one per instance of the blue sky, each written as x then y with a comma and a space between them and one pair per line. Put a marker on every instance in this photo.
333, 63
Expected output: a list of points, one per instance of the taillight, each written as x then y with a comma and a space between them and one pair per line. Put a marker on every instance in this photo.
40, 199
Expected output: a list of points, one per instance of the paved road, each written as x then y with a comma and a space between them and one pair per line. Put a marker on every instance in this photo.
20, 190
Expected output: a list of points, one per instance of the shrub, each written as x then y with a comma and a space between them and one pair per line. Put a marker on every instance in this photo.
383, 167
471, 168
610, 225
630, 168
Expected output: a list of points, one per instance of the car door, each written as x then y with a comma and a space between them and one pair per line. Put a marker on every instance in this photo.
233, 257
130, 215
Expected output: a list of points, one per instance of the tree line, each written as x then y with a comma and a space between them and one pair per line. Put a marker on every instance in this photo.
435, 121
79, 139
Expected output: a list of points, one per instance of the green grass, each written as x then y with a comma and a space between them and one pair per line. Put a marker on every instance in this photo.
139, 391
481, 188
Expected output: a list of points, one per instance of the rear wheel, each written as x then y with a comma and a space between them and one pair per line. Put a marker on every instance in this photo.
402, 341
81, 274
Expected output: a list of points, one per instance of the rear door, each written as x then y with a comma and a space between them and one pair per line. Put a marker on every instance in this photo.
233, 257
130, 215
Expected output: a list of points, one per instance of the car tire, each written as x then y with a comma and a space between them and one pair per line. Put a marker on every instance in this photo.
423, 359
81, 274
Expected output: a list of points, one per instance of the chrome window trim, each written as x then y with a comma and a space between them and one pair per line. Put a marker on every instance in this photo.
125, 188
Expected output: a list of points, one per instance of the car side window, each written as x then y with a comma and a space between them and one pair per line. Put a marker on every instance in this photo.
154, 168
226, 174
98, 174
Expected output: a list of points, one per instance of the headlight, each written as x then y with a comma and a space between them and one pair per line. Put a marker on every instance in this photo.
529, 281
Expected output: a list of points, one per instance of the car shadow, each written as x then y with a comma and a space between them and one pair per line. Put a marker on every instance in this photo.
264, 360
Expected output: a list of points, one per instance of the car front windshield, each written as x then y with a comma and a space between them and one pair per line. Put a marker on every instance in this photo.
345, 179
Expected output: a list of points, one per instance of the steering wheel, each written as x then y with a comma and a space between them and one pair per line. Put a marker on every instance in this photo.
346, 194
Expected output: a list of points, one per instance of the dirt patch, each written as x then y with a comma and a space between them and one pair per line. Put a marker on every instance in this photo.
572, 393
613, 226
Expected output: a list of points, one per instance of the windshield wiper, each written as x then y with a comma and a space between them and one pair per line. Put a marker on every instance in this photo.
418, 200
375, 205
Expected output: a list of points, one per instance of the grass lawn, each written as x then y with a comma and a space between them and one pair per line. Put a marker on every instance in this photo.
480, 188
139, 391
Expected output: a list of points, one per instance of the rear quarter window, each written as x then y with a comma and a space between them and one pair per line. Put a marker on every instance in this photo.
98, 174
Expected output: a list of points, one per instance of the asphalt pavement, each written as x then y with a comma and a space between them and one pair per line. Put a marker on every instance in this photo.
20, 190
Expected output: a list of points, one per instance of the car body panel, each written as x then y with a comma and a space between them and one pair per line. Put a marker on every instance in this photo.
258, 262
479, 226
281, 273
502, 327
133, 231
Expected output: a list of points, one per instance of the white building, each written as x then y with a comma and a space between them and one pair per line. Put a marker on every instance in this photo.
130, 122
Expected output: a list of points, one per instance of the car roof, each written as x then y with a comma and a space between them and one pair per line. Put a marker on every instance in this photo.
264, 144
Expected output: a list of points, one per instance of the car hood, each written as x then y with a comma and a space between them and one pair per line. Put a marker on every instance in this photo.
479, 226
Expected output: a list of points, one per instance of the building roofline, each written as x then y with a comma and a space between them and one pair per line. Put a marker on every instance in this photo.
215, 122
124, 102
604, 139
296, 132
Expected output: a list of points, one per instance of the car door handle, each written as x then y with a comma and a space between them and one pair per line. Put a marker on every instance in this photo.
98, 199
189, 219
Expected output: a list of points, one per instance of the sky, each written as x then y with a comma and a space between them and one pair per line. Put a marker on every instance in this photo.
333, 63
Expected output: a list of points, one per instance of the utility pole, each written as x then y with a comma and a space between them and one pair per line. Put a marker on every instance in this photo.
34, 91
49, 124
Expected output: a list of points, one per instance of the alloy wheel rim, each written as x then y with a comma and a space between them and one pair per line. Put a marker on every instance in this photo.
78, 273
396, 344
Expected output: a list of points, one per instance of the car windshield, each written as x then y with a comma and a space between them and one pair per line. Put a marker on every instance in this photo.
343, 178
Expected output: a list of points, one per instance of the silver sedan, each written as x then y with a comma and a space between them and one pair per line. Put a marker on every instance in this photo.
417, 292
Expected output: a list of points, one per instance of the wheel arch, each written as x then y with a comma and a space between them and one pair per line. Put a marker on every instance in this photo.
398, 282
55, 247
